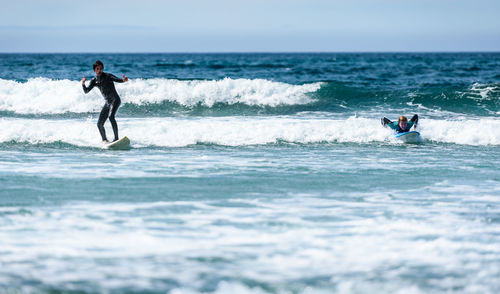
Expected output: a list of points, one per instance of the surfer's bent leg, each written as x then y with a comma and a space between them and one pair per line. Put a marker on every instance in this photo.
102, 118
114, 108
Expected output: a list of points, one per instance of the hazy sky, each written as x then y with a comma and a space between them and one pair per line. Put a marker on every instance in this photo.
251, 26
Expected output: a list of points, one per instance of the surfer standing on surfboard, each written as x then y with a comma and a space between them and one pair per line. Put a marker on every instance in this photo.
105, 83
402, 126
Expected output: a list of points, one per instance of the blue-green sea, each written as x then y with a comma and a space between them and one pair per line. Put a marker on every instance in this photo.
251, 173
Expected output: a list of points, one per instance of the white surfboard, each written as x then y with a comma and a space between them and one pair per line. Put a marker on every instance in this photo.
412, 137
122, 144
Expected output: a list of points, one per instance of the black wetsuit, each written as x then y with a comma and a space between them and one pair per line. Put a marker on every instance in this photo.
105, 84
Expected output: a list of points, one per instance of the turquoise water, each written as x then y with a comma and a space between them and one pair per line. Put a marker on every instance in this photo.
251, 173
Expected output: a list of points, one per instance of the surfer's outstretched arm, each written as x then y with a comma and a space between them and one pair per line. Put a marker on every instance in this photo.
90, 87
117, 79
386, 122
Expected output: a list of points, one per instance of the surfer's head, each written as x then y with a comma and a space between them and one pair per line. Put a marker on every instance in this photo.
402, 122
98, 67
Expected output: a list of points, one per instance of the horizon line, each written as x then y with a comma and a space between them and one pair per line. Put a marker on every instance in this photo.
252, 52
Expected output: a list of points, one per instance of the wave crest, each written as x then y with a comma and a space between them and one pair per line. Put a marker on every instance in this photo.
46, 96
243, 131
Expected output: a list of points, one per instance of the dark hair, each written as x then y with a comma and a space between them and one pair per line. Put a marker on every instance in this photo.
98, 62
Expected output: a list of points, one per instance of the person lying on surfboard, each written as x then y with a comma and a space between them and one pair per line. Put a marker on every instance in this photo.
402, 126
104, 81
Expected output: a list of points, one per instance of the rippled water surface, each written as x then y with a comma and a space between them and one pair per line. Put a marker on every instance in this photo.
251, 173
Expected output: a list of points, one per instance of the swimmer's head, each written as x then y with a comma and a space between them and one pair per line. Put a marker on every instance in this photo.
402, 122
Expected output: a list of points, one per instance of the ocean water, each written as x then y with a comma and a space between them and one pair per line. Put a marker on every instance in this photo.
251, 173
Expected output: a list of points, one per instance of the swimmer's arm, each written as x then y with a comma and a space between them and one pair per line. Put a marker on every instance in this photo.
388, 123
393, 125
414, 121
90, 87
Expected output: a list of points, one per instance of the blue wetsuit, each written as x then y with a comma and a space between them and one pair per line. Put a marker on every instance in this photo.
105, 83
395, 125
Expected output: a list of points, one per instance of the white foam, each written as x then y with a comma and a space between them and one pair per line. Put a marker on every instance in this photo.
42, 95
358, 253
484, 91
243, 131
484, 131
175, 132
189, 93
78, 132
224, 288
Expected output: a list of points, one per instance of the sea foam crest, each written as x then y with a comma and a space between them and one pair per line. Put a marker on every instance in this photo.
41, 95
189, 93
486, 91
243, 131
